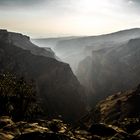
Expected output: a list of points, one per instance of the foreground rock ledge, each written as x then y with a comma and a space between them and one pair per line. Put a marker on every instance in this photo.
57, 130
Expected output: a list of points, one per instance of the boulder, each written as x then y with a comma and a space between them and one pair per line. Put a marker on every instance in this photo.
102, 130
5, 120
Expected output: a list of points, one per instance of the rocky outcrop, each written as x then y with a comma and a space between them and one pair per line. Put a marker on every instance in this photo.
58, 89
115, 118
37, 130
119, 106
121, 109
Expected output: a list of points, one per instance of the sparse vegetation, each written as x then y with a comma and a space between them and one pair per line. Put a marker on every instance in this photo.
17, 97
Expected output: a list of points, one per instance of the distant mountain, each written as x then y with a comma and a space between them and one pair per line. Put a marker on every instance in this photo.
110, 70
50, 42
74, 49
58, 89
98, 42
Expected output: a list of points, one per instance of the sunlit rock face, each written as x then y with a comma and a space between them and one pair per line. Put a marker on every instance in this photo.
58, 89
116, 117
120, 109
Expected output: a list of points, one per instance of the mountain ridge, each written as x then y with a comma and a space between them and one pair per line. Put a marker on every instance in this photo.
24, 42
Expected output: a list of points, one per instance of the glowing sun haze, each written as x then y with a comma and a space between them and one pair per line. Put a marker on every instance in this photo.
45, 18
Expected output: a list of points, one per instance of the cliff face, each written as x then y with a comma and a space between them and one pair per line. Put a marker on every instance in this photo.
58, 88
110, 70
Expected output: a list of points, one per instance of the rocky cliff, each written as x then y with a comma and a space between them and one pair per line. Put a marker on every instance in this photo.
58, 89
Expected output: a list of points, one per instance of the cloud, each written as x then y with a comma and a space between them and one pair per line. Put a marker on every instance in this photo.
133, 2
134, 5
137, 1
16, 3
73, 17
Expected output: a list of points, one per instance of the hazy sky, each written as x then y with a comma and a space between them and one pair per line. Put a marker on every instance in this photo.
43, 18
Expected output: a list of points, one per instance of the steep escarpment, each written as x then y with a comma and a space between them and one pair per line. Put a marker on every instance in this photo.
58, 89
110, 70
